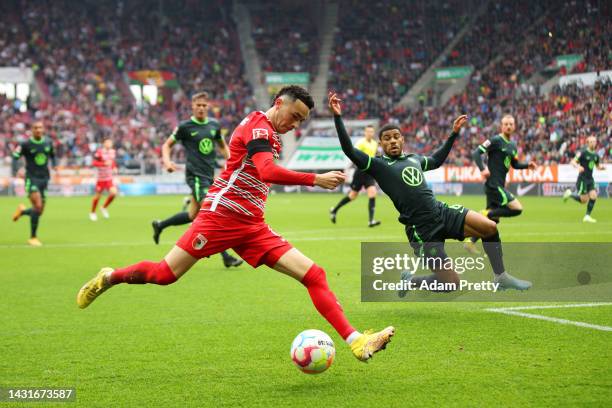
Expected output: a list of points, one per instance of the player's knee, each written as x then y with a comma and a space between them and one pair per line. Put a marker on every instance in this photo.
164, 275
489, 228
315, 276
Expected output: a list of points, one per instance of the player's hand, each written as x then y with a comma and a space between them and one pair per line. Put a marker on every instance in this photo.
334, 103
329, 180
580, 169
485, 173
459, 123
170, 167
532, 165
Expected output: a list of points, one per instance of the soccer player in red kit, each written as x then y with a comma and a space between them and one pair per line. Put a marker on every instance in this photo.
104, 161
232, 216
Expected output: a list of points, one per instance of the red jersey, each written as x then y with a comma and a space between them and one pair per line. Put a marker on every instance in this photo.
101, 157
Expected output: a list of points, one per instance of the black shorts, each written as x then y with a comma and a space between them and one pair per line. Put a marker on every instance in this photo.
498, 197
362, 179
199, 186
430, 243
584, 185
34, 184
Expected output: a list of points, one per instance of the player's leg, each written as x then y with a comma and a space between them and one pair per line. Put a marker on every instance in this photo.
205, 237
371, 191
167, 271
94, 203
592, 196
352, 195
508, 207
312, 276
37, 199
112, 193
478, 225
181, 218
435, 257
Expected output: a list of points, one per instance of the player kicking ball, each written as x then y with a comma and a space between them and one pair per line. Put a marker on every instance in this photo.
586, 192
104, 161
232, 216
428, 222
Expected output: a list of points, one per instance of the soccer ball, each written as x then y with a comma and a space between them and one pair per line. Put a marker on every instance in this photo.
313, 351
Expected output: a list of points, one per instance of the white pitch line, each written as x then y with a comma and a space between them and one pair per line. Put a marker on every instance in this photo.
513, 311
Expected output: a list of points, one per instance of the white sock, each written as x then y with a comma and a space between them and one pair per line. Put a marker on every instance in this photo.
352, 337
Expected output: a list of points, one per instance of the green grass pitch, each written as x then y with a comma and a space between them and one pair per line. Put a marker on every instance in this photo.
221, 337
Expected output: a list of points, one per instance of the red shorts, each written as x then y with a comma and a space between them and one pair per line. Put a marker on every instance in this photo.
212, 233
102, 185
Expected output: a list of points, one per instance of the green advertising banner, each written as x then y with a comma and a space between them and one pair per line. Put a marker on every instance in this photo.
568, 60
443, 74
319, 153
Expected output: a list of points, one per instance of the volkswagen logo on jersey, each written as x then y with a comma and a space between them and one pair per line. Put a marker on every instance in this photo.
205, 146
412, 176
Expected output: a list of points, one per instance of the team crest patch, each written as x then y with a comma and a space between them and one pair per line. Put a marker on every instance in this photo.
198, 242
260, 133
486, 143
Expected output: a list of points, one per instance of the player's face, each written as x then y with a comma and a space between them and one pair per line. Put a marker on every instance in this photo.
290, 114
508, 125
591, 143
38, 130
199, 108
392, 142
108, 144
369, 133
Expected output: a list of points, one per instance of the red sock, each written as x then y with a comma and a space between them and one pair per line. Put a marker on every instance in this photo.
94, 204
325, 301
144, 272
109, 200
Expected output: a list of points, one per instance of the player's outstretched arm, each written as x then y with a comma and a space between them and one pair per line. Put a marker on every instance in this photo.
358, 157
522, 165
269, 172
437, 158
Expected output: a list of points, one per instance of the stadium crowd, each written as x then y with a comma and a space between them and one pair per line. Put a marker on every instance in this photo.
379, 52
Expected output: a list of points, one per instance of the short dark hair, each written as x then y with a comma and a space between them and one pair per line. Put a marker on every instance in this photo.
295, 92
388, 126
199, 95
369, 126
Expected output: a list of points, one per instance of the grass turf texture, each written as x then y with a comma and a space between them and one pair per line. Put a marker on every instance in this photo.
222, 336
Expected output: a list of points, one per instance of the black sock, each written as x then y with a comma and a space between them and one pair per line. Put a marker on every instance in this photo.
493, 248
371, 207
181, 218
27, 212
344, 201
576, 197
417, 280
503, 212
590, 206
34, 216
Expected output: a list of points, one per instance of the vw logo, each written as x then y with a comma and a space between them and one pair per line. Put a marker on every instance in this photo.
412, 176
205, 146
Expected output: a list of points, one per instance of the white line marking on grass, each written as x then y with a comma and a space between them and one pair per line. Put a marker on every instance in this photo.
513, 311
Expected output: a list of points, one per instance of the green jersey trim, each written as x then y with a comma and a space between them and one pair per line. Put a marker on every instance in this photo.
504, 196
204, 122
425, 167
369, 163
41, 141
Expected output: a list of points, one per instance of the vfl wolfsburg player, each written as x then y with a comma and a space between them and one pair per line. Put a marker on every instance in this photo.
37, 151
360, 180
428, 221
585, 161
198, 136
502, 153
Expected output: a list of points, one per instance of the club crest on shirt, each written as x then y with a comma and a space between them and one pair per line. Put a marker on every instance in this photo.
198, 242
260, 133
